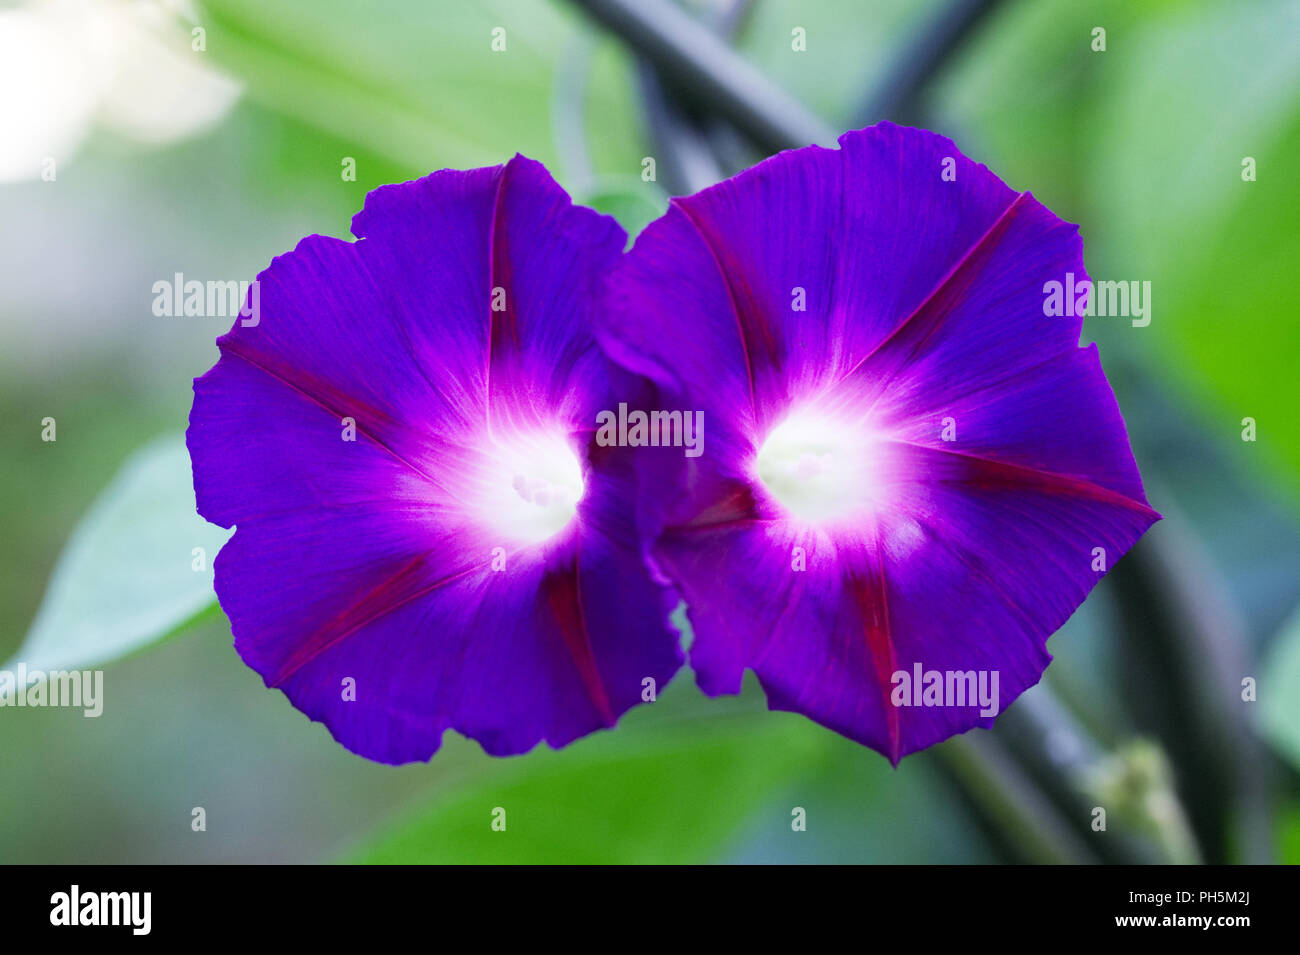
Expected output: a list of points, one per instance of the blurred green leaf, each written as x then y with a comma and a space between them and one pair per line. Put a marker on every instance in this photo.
650, 795
1143, 145
848, 48
430, 94
860, 810
1198, 90
1288, 834
1279, 692
1021, 95
126, 578
635, 204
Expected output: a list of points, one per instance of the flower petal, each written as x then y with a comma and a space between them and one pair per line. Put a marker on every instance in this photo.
369, 434
991, 459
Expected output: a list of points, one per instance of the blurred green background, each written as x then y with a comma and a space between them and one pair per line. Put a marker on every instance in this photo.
210, 162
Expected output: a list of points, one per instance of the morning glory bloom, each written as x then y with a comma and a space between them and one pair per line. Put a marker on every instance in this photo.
913, 476
428, 534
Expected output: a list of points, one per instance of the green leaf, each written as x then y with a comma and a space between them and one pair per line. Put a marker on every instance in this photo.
1279, 701
646, 794
1288, 834
848, 49
635, 204
421, 84
126, 578
1173, 208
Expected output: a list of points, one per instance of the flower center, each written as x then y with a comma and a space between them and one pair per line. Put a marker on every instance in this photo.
534, 489
819, 468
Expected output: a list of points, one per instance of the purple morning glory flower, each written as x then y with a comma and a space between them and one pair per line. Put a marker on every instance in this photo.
912, 476
429, 536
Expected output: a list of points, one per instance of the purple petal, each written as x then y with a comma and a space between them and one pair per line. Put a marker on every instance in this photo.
463, 563
974, 456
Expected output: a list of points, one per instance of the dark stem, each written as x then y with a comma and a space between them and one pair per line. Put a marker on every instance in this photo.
693, 153
920, 61
1183, 651
696, 63
686, 162
568, 115
1032, 829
